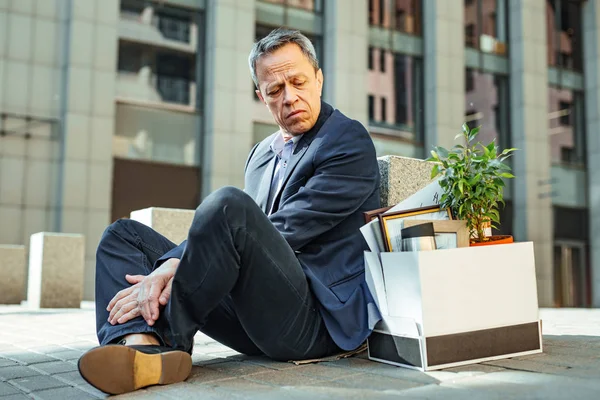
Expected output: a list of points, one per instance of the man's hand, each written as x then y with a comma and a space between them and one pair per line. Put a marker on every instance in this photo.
145, 296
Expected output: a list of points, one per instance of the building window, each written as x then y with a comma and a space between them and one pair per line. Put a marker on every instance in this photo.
486, 26
382, 60
565, 113
566, 126
371, 108
174, 28
400, 15
564, 35
370, 58
486, 105
469, 80
309, 5
173, 78
401, 92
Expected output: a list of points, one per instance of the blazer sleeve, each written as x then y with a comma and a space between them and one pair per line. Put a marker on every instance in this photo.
345, 175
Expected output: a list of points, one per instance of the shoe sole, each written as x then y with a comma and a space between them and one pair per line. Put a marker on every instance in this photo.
116, 369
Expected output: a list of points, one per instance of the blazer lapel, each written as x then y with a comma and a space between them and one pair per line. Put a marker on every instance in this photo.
292, 163
267, 166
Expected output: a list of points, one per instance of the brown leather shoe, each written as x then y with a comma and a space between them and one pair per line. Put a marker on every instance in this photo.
117, 369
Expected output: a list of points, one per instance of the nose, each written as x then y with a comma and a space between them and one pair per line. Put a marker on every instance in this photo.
290, 95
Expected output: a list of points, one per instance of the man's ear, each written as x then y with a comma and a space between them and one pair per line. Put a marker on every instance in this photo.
259, 94
320, 81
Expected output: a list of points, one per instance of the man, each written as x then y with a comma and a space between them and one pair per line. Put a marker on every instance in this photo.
276, 270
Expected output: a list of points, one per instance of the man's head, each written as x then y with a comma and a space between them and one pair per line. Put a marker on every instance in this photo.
286, 72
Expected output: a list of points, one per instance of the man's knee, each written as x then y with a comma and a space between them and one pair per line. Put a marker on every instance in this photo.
226, 197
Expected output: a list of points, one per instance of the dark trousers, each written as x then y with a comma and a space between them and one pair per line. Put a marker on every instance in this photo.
238, 282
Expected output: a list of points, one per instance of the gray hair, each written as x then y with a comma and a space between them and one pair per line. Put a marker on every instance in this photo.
277, 39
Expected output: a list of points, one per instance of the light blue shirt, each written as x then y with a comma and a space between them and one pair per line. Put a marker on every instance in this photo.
283, 150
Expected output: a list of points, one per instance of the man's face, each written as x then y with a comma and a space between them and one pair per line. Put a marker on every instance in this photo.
290, 88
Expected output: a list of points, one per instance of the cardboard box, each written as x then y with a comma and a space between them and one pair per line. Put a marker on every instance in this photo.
446, 308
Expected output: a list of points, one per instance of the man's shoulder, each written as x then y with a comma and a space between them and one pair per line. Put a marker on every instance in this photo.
340, 125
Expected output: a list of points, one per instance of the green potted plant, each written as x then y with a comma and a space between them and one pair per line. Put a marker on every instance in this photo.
472, 182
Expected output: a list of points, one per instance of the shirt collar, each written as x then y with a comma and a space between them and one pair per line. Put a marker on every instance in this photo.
278, 143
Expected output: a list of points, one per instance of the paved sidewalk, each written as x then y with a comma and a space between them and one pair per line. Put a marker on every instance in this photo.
39, 352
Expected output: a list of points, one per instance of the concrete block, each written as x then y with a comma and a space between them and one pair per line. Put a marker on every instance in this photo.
56, 267
401, 177
173, 224
12, 274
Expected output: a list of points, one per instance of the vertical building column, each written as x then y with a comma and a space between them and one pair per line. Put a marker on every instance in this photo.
591, 54
227, 137
444, 59
88, 125
529, 127
346, 35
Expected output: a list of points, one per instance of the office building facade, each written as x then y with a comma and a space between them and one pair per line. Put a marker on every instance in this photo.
111, 106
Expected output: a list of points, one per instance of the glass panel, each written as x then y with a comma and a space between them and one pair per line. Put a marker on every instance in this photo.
401, 15
487, 106
144, 133
558, 279
486, 25
310, 5
471, 23
395, 101
566, 129
407, 16
565, 39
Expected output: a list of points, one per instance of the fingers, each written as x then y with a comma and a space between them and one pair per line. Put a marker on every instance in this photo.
150, 306
166, 293
134, 313
133, 279
123, 310
120, 295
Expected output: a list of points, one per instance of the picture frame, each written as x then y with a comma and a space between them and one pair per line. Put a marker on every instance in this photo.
392, 223
449, 234
371, 215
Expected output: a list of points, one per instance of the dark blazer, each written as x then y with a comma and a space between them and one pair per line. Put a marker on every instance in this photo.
332, 177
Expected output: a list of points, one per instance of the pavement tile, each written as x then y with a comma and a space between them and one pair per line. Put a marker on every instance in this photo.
16, 397
68, 355
476, 368
205, 374
324, 371
237, 387
41, 382
236, 368
186, 391
72, 378
525, 365
7, 363
269, 363
49, 349
63, 393
283, 378
7, 388
55, 367
374, 382
27, 357
15, 372
384, 369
